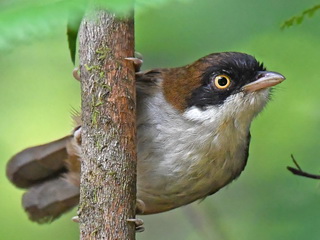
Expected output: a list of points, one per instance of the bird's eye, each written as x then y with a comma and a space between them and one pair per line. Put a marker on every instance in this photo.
222, 81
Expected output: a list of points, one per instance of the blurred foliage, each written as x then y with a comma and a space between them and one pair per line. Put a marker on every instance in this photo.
296, 20
73, 25
267, 202
24, 21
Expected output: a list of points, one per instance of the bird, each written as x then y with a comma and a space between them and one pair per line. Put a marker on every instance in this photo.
193, 136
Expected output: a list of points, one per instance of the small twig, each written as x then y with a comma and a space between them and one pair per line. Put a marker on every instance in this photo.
295, 162
298, 171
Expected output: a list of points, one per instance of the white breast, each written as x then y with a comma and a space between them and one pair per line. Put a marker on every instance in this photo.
184, 157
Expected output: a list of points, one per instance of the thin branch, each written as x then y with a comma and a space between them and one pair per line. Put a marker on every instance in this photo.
298, 171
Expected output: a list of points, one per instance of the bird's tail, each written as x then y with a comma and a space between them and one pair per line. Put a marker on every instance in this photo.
44, 170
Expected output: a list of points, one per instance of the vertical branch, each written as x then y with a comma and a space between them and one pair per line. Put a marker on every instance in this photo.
108, 170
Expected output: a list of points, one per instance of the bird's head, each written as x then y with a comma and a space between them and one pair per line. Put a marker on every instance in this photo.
220, 85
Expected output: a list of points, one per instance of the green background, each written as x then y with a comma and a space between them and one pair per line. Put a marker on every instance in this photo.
37, 94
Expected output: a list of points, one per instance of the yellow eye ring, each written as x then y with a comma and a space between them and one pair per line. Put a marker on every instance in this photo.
222, 81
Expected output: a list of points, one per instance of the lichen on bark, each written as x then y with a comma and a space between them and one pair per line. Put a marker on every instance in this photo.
108, 168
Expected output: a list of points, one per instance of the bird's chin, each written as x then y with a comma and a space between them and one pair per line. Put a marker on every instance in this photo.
256, 101
241, 105
244, 106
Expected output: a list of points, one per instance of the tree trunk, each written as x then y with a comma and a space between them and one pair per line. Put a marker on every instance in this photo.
108, 169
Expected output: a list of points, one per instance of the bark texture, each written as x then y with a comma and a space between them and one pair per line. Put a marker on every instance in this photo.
108, 169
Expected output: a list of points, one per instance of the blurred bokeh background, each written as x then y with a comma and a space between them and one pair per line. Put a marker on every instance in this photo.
37, 94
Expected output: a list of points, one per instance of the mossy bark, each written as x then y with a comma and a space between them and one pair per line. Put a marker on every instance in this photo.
108, 168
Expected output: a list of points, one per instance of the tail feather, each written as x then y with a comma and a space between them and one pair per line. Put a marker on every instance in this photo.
51, 174
35, 164
47, 201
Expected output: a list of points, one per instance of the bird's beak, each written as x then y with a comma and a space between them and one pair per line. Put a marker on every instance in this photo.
264, 80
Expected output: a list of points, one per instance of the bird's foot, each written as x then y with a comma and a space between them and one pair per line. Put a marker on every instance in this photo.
75, 219
137, 61
140, 207
76, 73
77, 136
74, 146
138, 224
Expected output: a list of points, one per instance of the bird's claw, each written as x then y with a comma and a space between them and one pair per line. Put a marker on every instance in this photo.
76, 73
77, 136
140, 208
137, 61
138, 224
75, 219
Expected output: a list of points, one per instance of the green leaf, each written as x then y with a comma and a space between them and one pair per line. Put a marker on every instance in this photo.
300, 18
73, 26
24, 21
